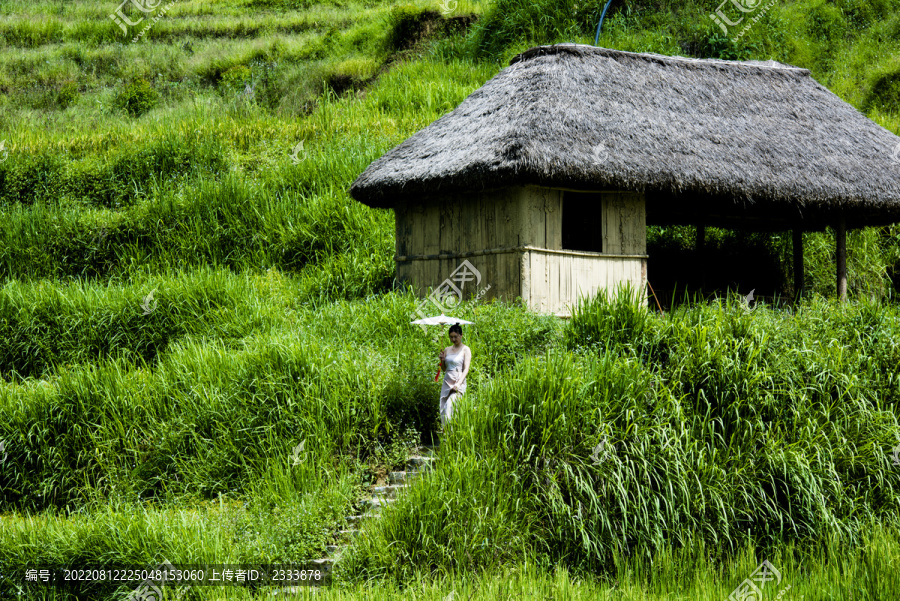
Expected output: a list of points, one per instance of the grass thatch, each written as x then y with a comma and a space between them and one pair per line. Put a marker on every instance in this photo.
708, 140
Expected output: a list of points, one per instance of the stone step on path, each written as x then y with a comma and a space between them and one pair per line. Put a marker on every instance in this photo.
379, 502
429, 449
402, 477
418, 463
390, 491
350, 533
356, 519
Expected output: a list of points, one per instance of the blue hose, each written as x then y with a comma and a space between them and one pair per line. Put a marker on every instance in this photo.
600, 24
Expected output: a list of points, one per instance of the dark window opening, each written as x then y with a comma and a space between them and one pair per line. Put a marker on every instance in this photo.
582, 227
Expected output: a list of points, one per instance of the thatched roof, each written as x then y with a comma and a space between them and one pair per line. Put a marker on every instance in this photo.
708, 141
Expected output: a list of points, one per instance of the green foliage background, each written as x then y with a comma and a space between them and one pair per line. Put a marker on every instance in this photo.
209, 164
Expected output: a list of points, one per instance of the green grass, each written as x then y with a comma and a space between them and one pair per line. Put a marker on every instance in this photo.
730, 427
138, 430
866, 572
231, 368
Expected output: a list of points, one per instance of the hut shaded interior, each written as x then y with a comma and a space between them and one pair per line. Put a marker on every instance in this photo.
684, 266
744, 258
582, 221
741, 259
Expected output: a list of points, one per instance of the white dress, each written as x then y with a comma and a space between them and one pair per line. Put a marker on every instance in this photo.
453, 376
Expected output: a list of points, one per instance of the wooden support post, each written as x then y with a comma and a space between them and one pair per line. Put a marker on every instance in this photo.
840, 234
700, 259
798, 263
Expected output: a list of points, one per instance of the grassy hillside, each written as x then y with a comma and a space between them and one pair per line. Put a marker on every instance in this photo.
208, 163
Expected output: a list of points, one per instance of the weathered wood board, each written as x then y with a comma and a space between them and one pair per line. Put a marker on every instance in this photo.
503, 234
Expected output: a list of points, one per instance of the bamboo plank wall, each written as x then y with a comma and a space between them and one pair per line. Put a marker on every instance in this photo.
495, 225
463, 223
624, 224
428, 274
557, 280
504, 218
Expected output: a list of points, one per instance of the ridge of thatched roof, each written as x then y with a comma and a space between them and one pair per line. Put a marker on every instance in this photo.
700, 137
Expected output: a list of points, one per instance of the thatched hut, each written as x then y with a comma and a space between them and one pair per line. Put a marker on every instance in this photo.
546, 177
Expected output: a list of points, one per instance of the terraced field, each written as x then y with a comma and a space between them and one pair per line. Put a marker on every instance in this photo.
204, 360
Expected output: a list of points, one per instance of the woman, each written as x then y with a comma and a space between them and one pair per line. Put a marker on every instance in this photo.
455, 361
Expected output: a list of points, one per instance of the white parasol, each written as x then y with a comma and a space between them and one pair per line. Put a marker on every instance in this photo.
441, 320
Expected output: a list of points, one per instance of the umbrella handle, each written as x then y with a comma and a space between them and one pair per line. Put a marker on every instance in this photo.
438, 374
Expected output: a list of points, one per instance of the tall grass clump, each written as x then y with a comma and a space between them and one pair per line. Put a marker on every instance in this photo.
196, 394
755, 427
194, 431
612, 319
293, 526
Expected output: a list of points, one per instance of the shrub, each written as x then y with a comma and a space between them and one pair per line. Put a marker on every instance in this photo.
612, 322
234, 80
885, 93
826, 23
67, 95
717, 45
405, 22
137, 98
